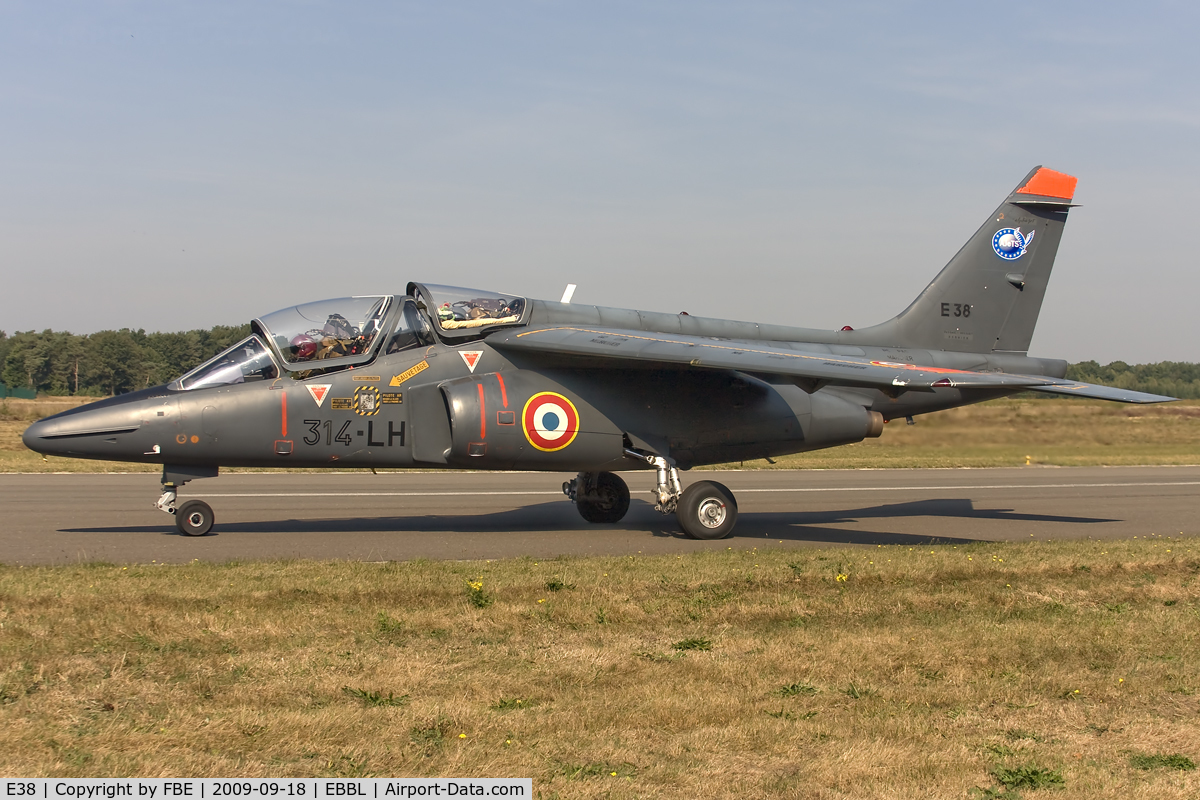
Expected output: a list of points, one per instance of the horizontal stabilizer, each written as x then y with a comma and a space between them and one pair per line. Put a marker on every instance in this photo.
1096, 392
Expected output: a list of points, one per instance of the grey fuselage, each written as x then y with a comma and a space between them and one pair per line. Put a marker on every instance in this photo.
431, 410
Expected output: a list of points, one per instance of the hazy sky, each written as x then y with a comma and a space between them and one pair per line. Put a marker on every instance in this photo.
176, 165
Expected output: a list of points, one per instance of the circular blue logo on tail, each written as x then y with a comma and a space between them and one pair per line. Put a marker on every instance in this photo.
1010, 244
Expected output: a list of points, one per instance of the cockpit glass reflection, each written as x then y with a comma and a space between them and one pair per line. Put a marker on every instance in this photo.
246, 361
457, 308
412, 330
328, 329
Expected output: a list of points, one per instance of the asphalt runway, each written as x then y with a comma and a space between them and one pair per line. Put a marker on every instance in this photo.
56, 519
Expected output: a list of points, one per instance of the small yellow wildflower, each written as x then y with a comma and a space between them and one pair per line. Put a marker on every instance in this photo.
462, 736
842, 577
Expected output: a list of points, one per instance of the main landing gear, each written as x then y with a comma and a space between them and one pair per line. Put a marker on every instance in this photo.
195, 517
599, 496
705, 510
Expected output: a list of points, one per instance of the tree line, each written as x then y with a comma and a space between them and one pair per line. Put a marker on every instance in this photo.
1172, 378
108, 362
115, 362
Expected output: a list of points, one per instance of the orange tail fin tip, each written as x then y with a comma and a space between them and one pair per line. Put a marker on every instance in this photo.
1048, 183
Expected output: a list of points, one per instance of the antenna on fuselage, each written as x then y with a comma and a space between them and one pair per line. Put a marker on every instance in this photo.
568, 293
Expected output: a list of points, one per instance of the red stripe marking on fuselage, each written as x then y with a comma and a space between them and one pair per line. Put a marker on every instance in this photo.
482, 414
283, 425
503, 391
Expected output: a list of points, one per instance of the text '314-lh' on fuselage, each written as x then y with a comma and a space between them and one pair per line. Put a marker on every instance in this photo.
445, 377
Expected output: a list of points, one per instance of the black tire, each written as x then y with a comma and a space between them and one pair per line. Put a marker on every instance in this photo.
194, 518
707, 510
609, 503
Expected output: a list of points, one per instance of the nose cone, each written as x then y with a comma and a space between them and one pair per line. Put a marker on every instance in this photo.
105, 429
32, 438
92, 434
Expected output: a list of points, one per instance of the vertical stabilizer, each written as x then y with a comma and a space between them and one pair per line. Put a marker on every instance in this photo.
989, 295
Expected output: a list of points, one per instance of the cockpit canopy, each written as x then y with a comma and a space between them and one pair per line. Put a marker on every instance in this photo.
349, 331
341, 331
460, 313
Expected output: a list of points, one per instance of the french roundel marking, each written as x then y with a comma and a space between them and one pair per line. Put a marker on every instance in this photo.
550, 421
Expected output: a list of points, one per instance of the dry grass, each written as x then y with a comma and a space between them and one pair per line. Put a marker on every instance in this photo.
869, 673
1000, 433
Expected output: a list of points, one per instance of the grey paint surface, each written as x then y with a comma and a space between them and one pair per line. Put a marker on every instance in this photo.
56, 519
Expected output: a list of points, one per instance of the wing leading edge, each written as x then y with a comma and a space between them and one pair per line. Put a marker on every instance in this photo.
810, 371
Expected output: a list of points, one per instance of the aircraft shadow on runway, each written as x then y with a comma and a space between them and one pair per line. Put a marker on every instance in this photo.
558, 516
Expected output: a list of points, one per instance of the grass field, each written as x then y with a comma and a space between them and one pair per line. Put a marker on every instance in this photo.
993, 434
932, 672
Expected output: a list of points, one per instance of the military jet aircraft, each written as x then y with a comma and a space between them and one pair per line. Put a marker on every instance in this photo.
467, 379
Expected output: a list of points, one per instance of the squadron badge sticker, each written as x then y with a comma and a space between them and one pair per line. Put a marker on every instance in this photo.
366, 401
550, 421
1010, 243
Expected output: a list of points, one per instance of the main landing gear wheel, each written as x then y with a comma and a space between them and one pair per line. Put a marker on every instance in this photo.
707, 510
602, 499
194, 518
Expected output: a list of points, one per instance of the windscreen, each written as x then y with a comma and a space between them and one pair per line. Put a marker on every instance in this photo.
246, 361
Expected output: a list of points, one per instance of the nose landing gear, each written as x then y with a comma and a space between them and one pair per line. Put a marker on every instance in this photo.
195, 517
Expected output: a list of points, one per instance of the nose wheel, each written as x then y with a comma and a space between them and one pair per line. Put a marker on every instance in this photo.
194, 518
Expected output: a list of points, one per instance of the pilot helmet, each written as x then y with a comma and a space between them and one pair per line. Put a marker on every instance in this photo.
303, 347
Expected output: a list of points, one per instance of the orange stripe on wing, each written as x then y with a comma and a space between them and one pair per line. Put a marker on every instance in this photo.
1048, 183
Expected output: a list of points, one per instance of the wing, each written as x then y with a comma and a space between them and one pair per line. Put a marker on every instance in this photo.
1091, 390
810, 371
